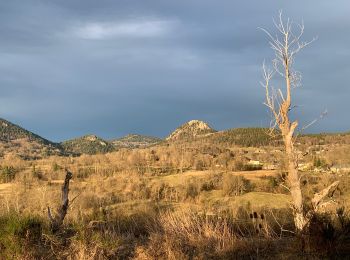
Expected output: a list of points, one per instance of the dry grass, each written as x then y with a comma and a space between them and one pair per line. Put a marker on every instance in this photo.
130, 205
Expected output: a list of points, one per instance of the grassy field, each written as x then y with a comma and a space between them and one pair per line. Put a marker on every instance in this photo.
136, 205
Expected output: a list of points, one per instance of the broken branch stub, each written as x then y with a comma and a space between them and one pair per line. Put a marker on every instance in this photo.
57, 220
318, 198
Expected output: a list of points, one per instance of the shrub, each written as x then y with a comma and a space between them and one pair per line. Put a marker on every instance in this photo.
319, 162
269, 184
251, 167
199, 165
158, 191
112, 237
235, 185
140, 190
83, 173
212, 182
8, 174
238, 165
37, 174
329, 235
186, 235
191, 190
55, 167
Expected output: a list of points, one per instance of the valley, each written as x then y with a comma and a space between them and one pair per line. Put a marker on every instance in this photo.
196, 174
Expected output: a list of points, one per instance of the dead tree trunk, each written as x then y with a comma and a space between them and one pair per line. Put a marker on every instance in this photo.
294, 185
57, 220
286, 44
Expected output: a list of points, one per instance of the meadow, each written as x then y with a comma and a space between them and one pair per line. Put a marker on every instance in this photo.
169, 201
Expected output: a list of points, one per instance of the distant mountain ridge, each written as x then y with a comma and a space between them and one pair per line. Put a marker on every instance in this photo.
92, 144
24, 143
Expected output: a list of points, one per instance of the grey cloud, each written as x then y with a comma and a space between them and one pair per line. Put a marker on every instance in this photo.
112, 67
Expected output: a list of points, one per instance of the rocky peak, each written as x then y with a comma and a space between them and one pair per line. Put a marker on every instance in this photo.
190, 129
91, 138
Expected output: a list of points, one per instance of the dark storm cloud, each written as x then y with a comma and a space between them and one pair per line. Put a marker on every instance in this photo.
69, 68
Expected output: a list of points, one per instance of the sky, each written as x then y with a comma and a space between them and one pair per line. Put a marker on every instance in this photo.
110, 68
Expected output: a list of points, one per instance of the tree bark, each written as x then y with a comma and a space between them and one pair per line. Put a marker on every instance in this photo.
57, 220
300, 219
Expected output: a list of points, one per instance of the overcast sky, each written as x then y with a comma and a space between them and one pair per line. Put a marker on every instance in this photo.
69, 67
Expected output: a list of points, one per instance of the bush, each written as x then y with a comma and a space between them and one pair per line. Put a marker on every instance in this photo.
84, 173
8, 173
329, 235
55, 167
269, 184
251, 167
212, 182
199, 165
235, 185
191, 190
319, 162
140, 190
238, 165
187, 235
37, 174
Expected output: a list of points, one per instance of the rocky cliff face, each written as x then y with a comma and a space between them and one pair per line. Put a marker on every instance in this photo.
190, 130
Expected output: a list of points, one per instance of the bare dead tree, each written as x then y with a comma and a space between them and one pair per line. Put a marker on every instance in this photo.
286, 44
57, 220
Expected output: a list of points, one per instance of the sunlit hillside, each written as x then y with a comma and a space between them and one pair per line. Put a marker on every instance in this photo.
174, 130
180, 196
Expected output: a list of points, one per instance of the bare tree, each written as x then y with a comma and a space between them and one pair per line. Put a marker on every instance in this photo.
286, 44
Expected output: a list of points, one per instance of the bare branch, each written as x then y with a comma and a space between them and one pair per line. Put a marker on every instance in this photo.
322, 115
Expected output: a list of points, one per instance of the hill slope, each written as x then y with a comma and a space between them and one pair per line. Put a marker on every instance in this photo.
190, 130
15, 139
135, 141
88, 144
257, 137
246, 137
